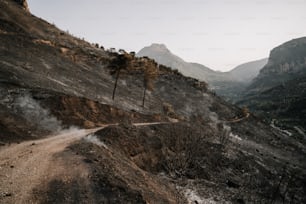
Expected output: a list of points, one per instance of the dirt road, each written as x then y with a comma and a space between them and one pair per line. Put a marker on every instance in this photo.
26, 165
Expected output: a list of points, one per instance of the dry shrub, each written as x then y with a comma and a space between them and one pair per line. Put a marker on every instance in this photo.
184, 147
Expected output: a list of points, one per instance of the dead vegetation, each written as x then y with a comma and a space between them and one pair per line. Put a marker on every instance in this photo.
141, 164
185, 152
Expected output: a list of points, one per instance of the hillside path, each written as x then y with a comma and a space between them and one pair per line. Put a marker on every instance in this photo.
25, 166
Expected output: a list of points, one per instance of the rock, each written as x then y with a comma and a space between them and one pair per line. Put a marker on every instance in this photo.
232, 184
5, 194
8, 194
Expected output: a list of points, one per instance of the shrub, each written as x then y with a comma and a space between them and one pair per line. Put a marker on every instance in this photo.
185, 146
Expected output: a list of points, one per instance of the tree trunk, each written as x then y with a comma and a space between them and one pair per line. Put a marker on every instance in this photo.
144, 96
115, 86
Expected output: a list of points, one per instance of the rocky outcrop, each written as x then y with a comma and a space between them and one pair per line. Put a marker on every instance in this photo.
285, 63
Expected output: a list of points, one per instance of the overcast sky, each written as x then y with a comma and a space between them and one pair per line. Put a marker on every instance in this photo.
220, 34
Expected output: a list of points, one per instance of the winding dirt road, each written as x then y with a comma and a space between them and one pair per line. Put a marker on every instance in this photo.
27, 165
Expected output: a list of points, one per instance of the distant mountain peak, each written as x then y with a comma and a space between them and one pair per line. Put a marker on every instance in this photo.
159, 47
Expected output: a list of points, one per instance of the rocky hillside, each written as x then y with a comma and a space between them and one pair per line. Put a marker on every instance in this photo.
279, 90
161, 137
227, 84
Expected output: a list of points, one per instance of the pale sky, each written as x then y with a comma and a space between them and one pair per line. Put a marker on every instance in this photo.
220, 34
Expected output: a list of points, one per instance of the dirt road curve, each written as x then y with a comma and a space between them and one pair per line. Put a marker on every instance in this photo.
29, 165
26, 165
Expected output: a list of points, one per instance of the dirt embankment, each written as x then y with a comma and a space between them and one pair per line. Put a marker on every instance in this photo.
88, 113
33, 113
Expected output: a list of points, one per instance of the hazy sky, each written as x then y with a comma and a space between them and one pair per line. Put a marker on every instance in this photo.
220, 34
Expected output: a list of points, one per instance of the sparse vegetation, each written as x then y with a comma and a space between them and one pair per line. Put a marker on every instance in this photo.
184, 149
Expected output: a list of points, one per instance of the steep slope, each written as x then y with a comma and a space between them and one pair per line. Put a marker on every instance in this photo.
197, 148
279, 90
286, 62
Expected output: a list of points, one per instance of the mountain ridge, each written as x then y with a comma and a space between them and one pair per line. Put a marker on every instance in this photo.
228, 84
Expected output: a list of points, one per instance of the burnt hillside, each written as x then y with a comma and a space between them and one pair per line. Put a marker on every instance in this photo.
183, 144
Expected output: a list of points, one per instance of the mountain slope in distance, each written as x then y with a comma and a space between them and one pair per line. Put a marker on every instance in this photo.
228, 84
278, 92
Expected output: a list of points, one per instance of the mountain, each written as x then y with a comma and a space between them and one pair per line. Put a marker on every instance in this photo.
161, 54
278, 92
79, 124
238, 79
285, 63
246, 72
227, 84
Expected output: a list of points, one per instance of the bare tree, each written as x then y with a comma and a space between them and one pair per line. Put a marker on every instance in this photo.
149, 76
120, 63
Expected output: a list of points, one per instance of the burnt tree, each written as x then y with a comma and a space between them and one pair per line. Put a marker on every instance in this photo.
120, 63
149, 76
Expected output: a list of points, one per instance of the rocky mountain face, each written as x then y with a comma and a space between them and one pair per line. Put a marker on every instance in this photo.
286, 62
227, 84
184, 144
278, 92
